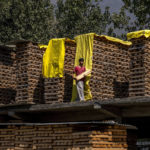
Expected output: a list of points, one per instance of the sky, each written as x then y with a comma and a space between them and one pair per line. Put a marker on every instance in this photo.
114, 5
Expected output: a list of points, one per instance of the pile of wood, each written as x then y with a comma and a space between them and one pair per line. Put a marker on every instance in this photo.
7, 75
53, 90
63, 134
110, 72
7, 138
29, 73
101, 138
43, 137
60, 89
139, 68
110, 137
66, 137
24, 137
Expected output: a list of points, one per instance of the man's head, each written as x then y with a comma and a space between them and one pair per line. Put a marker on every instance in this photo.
81, 61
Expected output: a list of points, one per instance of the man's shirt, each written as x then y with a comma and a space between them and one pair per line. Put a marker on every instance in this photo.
78, 70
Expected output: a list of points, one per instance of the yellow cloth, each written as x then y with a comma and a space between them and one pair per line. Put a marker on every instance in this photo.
84, 50
42, 46
138, 34
53, 58
116, 40
69, 40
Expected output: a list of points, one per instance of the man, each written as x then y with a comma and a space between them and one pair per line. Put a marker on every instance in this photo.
80, 83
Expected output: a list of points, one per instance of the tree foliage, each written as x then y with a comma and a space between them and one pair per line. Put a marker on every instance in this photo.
38, 20
84, 16
26, 19
140, 9
80, 16
119, 24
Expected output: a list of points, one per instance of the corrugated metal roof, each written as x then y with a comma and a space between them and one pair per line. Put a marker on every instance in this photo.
109, 122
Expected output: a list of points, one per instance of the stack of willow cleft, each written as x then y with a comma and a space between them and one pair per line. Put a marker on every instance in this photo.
110, 71
28, 71
53, 90
24, 137
7, 138
7, 75
66, 137
43, 135
60, 89
139, 68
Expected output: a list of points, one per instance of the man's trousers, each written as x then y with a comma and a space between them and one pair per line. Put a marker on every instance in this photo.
80, 90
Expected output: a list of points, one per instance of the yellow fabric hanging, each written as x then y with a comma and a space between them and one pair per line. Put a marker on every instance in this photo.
42, 46
69, 40
138, 34
116, 40
84, 50
53, 58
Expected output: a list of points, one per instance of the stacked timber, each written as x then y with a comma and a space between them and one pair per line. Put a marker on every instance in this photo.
63, 135
43, 137
66, 137
139, 68
7, 138
110, 137
60, 89
53, 90
102, 138
7, 75
24, 138
29, 73
110, 71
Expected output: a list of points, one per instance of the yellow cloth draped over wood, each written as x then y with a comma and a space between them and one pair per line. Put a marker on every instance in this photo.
84, 50
138, 34
53, 58
42, 46
115, 40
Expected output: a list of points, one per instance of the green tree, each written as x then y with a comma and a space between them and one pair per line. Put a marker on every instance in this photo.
2, 3
84, 16
27, 19
119, 23
140, 9
80, 16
